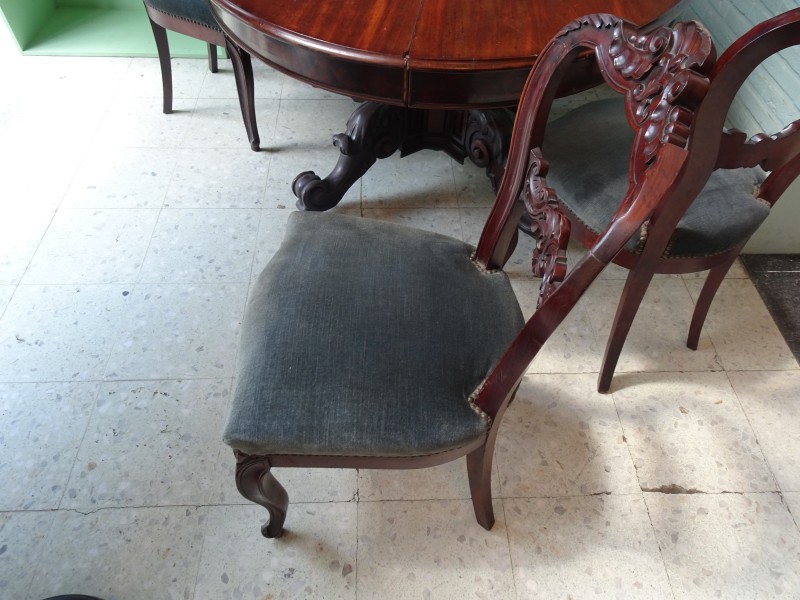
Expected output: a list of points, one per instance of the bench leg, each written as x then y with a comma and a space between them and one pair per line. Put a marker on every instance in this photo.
255, 482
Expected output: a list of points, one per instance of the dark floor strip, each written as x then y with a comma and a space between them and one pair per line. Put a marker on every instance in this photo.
777, 279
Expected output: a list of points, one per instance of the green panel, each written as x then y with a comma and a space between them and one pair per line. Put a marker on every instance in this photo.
112, 4
25, 18
105, 32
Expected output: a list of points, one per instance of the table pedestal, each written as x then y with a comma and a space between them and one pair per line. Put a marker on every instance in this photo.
377, 130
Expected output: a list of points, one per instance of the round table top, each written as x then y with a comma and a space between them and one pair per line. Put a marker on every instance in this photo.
417, 53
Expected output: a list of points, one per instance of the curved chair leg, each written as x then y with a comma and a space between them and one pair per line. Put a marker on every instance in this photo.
255, 482
635, 288
243, 73
713, 281
479, 471
212, 58
162, 45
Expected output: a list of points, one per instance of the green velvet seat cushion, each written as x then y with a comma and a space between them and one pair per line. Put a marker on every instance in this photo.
589, 151
191, 10
367, 338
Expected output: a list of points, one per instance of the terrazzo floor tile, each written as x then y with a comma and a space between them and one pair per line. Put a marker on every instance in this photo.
217, 123
6, 293
44, 424
122, 178
267, 82
140, 123
727, 545
589, 547
770, 400
572, 347
421, 180
93, 246
431, 549
143, 80
473, 187
315, 558
657, 339
70, 77
20, 235
202, 245
178, 331
68, 125
561, 438
22, 537
150, 443
124, 554
687, 431
224, 178
444, 482
296, 131
742, 330
24, 184
60, 332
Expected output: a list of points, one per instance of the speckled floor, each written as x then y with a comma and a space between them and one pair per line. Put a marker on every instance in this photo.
128, 241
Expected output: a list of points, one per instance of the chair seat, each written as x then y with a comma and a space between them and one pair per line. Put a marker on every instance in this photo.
588, 150
191, 10
366, 338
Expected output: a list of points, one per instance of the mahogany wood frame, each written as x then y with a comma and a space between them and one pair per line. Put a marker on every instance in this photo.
422, 89
661, 75
713, 148
240, 59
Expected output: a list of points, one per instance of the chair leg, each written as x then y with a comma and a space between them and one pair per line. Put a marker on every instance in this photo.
255, 482
162, 45
479, 471
713, 281
635, 288
243, 73
212, 58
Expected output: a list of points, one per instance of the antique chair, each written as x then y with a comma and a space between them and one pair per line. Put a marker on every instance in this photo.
589, 149
367, 344
194, 18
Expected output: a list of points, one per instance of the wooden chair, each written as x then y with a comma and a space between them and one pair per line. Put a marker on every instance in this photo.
194, 18
367, 344
738, 180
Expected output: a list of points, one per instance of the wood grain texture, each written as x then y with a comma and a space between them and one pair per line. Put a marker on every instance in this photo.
419, 53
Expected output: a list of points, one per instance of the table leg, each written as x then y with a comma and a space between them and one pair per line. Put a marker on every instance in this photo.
378, 130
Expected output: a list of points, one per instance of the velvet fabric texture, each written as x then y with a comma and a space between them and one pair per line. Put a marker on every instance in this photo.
192, 10
589, 151
366, 338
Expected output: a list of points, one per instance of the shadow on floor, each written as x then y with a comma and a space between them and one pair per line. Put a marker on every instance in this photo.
777, 279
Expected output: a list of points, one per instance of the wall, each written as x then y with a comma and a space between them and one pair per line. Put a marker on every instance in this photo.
769, 101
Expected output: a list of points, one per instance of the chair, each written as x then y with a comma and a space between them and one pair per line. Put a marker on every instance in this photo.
194, 18
589, 148
367, 344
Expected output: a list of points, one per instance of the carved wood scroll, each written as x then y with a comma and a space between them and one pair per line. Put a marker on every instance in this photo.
655, 72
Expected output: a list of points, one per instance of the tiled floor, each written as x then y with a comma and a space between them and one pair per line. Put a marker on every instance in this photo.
129, 240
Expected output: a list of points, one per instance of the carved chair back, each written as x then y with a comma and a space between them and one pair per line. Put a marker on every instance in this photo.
663, 77
712, 147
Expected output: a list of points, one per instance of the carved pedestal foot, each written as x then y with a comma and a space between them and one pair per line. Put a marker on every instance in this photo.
373, 131
255, 482
486, 139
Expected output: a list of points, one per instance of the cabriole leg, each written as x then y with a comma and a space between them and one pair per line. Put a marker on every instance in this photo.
255, 482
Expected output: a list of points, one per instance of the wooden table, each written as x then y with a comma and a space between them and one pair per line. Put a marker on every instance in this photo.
439, 74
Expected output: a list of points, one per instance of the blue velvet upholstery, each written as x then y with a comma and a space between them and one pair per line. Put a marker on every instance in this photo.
365, 338
589, 149
192, 10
